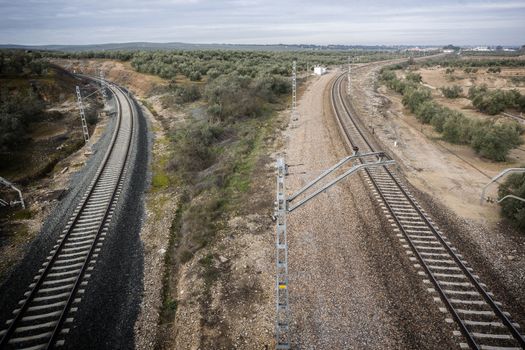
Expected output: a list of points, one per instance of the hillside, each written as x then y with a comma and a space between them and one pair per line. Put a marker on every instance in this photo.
40, 130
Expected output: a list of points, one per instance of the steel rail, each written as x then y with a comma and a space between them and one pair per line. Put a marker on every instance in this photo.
71, 226
80, 276
336, 88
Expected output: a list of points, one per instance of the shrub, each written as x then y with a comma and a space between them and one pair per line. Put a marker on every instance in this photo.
470, 70
511, 208
494, 141
494, 70
195, 76
412, 98
193, 147
91, 117
438, 121
427, 111
233, 95
17, 110
388, 75
457, 128
451, 91
449, 70
186, 93
413, 77
496, 101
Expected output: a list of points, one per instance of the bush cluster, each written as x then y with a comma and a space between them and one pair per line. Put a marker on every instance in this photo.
453, 91
513, 209
459, 62
495, 101
490, 140
235, 95
470, 70
21, 63
494, 70
17, 110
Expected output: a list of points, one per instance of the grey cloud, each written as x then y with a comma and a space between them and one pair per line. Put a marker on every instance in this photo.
258, 21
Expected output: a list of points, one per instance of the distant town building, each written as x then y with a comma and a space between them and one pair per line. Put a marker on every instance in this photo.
319, 70
481, 48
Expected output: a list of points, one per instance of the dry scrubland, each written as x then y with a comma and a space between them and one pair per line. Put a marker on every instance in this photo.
40, 142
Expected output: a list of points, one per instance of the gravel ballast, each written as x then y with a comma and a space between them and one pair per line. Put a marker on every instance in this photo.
351, 284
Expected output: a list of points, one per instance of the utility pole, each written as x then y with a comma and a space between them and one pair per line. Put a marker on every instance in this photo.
283, 206
85, 130
307, 70
295, 114
103, 85
348, 75
282, 326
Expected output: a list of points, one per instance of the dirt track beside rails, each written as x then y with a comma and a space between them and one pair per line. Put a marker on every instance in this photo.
350, 285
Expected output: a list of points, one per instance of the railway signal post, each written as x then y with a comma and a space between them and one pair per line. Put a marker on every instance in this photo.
283, 206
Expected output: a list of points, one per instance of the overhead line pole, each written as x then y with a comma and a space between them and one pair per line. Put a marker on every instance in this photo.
295, 114
283, 206
349, 70
103, 85
85, 130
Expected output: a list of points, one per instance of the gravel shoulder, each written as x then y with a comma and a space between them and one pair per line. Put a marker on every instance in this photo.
351, 285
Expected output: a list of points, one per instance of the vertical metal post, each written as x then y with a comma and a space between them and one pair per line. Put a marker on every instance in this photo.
20, 197
85, 130
282, 330
103, 85
295, 115
348, 75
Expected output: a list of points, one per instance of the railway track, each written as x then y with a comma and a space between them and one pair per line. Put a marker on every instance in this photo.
450, 280
47, 309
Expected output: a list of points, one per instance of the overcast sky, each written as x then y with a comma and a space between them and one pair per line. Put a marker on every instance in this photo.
263, 21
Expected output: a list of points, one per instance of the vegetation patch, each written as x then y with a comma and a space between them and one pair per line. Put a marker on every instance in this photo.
496, 101
489, 139
453, 91
511, 208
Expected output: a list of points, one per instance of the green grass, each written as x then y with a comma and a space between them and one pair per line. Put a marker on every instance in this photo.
160, 180
23, 214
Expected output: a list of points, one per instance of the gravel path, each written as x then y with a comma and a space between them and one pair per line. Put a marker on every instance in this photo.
351, 286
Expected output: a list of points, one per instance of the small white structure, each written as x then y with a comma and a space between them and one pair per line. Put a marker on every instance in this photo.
319, 70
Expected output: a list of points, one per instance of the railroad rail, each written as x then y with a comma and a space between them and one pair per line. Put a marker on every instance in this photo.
47, 309
451, 281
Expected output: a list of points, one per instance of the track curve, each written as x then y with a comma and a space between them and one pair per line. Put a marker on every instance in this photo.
48, 307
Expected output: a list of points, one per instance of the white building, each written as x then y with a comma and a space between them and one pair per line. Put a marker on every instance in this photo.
319, 70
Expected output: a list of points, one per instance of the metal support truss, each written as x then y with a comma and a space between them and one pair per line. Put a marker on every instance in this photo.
348, 75
283, 206
496, 178
282, 330
295, 114
12, 203
85, 130
103, 85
